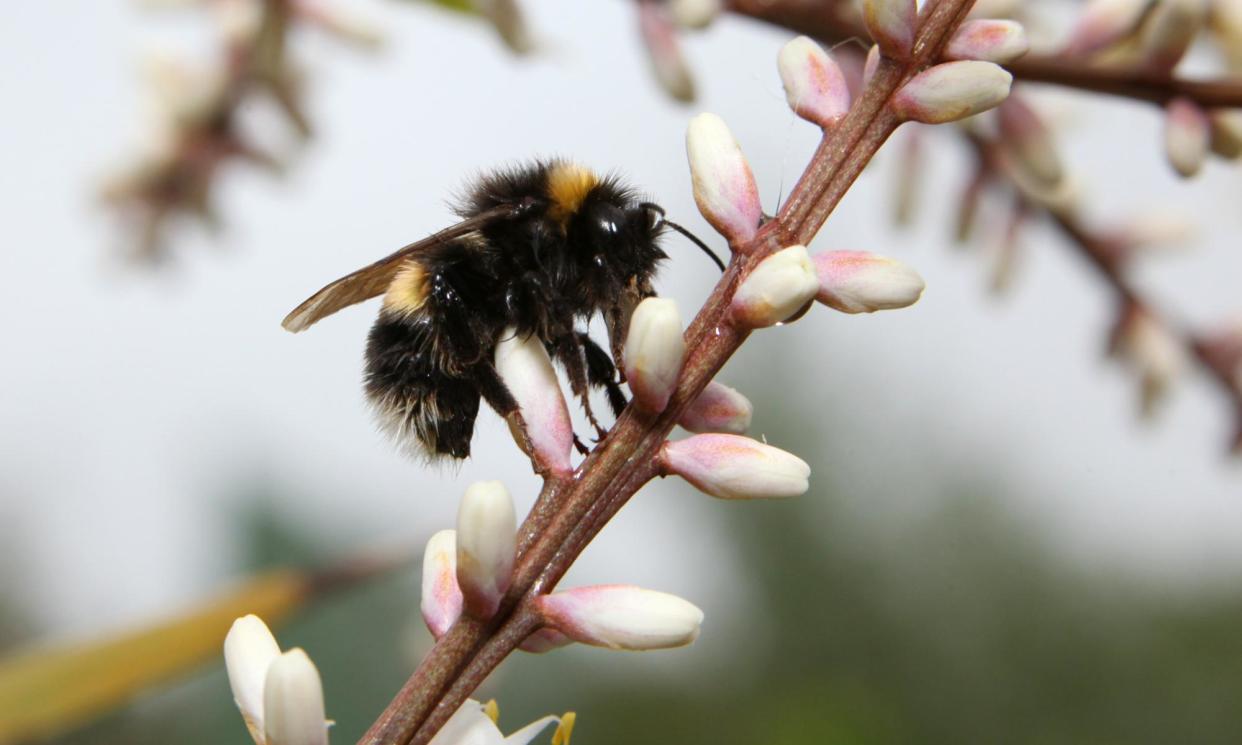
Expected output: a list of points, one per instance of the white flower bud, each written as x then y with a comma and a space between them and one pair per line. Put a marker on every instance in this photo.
442, 600
724, 187
694, 13
860, 282
988, 40
654, 352
1152, 351
524, 366
473, 724
891, 24
486, 546
1170, 29
718, 408
621, 617
815, 87
293, 702
664, 51
249, 650
1102, 23
734, 467
775, 290
952, 91
1187, 136
1227, 133
1029, 140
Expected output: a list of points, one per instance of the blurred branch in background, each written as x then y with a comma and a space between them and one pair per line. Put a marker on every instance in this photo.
200, 128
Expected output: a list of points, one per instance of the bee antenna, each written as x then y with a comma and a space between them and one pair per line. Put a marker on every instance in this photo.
693, 238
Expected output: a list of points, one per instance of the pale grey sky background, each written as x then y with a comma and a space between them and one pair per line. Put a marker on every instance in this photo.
133, 400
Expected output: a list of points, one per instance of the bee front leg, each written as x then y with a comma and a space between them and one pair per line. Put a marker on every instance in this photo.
572, 354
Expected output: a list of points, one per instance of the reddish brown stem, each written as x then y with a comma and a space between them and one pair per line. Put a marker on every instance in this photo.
569, 514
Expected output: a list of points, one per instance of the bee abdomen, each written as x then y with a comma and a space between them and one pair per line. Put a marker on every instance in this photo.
426, 408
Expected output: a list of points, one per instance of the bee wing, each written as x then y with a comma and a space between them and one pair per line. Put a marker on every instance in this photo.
372, 280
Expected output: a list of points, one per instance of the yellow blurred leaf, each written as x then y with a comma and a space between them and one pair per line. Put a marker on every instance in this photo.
44, 691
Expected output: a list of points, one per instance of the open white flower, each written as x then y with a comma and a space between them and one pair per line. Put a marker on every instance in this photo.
475, 724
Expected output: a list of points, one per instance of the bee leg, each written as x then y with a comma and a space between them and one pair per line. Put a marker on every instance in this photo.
602, 373
571, 353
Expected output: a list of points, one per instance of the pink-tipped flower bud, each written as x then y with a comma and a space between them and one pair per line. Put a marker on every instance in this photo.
734, 467
524, 366
1171, 27
724, 187
249, 650
442, 599
654, 352
694, 13
1028, 139
486, 546
1227, 133
861, 282
988, 40
544, 640
1187, 136
891, 24
343, 23
775, 290
664, 51
718, 408
621, 617
952, 91
815, 87
293, 702
1102, 23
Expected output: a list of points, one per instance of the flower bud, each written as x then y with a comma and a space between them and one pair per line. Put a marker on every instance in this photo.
952, 91
988, 40
343, 23
861, 282
1227, 133
1187, 136
694, 13
442, 599
815, 87
891, 25
486, 546
524, 366
1169, 30
1102, 23
544, 640
724, 187
664, 51
1152, 351
734, 467
1029, 140
718, 408
775, 290
870, 64
293, 702
249, 650
654, 352
621, 617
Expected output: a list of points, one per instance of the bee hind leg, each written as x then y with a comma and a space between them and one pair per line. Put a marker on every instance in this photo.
602, 373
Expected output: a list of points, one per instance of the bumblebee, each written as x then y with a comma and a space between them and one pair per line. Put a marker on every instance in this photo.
539, 249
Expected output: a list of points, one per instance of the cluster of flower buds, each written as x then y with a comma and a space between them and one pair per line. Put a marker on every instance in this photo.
1154, 37
280, 696
279, 693
198, 132
469, 570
